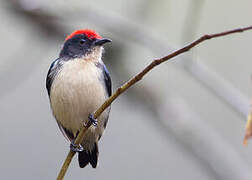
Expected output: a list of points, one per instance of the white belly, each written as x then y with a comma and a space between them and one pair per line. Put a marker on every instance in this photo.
76, 92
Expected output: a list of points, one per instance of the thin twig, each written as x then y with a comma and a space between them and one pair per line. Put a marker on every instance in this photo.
213, 82
134, 80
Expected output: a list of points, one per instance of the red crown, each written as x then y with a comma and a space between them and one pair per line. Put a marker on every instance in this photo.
88, 32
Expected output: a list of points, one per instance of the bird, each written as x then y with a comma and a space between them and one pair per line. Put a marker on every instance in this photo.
78, 83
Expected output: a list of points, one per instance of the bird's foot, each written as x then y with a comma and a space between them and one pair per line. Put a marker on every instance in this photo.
92, 119
76, 148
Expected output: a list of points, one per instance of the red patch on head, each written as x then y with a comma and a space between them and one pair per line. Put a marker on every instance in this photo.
88, 32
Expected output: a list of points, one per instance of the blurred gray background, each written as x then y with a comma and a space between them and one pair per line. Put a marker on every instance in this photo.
184, 120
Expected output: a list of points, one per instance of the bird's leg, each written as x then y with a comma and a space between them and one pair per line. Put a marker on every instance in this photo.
76, 148
79, 148
92, 119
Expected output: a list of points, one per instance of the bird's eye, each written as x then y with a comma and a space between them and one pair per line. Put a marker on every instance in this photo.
82, 41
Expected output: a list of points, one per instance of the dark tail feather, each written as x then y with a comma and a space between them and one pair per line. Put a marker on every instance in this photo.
86, 157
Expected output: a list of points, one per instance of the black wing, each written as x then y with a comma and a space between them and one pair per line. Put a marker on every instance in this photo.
107, 80
54, 69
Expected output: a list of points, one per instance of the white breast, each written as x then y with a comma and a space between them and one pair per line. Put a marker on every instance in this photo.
76, 92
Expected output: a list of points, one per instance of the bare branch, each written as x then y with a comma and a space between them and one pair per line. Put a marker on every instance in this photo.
134, 80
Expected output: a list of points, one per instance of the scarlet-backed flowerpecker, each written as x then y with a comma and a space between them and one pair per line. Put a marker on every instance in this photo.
78, 83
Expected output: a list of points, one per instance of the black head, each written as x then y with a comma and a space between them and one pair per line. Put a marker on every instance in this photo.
81, 42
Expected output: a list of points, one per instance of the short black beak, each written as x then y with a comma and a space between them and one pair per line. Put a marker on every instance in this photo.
100, 42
